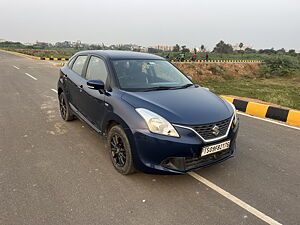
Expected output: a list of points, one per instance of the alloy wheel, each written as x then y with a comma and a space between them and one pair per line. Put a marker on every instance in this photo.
118, 150
63, 107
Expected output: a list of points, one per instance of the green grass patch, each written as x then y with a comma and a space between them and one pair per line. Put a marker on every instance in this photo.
278, 90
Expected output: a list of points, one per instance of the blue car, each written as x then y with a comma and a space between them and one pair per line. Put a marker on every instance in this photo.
155, 119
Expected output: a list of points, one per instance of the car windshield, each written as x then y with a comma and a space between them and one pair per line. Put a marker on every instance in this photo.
147, 75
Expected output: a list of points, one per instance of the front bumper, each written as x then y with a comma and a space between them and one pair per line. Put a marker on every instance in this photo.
178, 155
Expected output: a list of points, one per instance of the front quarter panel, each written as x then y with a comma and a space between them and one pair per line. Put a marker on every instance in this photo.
118, 108
124, 114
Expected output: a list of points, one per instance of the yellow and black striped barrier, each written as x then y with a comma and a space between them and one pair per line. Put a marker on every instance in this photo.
290, 116
217, 61
54, 59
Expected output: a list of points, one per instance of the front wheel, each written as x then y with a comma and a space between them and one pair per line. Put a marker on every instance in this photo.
120, 151
64, 108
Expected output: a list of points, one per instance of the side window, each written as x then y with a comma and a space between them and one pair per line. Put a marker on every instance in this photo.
79, 64
96, 69
71, 61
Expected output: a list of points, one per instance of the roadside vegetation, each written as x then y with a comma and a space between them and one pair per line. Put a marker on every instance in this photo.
276, 80
46, 53
282, 91
39, 50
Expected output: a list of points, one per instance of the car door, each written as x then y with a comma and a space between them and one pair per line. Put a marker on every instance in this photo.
75, 81
93, 101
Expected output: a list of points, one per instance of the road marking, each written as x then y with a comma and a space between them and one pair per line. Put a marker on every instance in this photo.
54, 90
16, 67
234, 199
271, 121
30, 76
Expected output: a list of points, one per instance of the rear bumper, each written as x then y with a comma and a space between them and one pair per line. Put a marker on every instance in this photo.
178, 155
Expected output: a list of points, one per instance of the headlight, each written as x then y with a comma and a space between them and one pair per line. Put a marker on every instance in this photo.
156, 123
234, 111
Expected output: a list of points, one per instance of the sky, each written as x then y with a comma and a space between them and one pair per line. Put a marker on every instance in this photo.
259, 23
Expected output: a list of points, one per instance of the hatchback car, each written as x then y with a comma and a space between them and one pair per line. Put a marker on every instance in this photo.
154, 117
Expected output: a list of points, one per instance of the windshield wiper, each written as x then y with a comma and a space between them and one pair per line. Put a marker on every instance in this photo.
183, 86
157, 88
166, 87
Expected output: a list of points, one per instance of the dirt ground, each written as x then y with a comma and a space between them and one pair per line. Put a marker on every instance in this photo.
202, 71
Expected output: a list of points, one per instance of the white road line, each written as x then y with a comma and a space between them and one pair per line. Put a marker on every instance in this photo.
271, 121
54, 90
30, 76
234, 199
16, 67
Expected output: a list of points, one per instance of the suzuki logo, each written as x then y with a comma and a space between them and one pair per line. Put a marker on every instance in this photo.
215, 130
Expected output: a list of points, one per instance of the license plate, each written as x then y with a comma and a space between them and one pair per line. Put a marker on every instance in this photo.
215, 148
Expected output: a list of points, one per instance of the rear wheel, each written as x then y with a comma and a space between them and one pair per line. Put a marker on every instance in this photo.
64, 108
120, 151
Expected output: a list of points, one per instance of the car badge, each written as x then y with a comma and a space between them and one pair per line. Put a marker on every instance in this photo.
215, 130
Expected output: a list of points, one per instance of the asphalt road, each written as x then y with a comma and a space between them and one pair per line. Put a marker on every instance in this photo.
53, 172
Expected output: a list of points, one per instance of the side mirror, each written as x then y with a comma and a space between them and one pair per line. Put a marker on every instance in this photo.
95, 84
190, 78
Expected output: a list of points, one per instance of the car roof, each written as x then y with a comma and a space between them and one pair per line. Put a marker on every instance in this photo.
115, 54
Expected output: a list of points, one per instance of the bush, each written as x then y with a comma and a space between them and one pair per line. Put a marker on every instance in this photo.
280, 66
217, 70
228, 76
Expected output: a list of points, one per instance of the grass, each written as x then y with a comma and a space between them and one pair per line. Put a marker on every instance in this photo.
68, 52
51, 53
278, 90
219, 56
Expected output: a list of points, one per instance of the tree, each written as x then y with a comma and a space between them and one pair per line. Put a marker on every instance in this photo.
95, 47
292, 52
202, 48
10, 44
184, 49
267, 51
153, 50
176, 48
241, 45
222, 47
281, 51
250, 50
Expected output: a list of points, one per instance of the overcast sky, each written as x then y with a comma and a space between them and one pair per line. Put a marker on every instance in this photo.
260, 23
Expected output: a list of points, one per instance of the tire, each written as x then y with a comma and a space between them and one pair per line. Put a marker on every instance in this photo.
120, 151
64, 108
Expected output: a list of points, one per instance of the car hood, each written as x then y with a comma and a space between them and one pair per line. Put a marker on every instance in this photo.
189, 106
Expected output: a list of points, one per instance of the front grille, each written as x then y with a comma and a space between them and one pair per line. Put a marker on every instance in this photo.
194, 162
205, 130
189, 163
